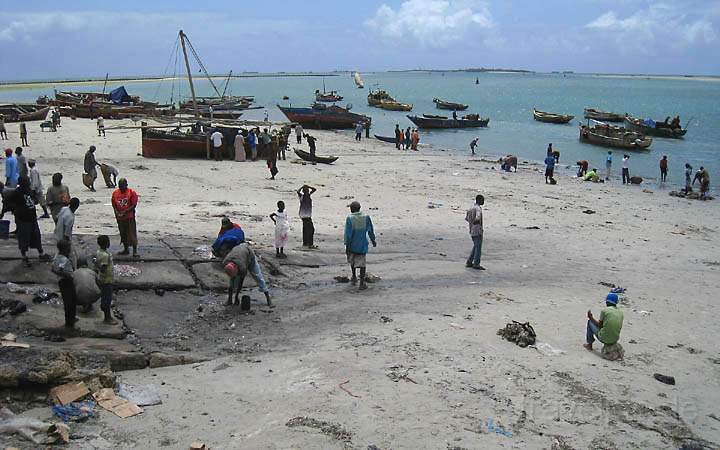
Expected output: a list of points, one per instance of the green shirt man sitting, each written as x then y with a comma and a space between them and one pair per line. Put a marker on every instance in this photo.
607, 329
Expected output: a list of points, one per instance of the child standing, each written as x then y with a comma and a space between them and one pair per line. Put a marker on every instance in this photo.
282, 229
104, 270
63, 267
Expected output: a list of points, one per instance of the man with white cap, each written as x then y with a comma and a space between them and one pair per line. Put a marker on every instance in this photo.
607, 328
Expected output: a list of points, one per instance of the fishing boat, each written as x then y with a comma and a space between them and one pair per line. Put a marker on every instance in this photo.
358, 80
374, 98
305, 156
395, 106
652, 128
322, 116
616, 137
329, 97
442, 104
385, 138
469, 121
221, 114
542, 116
19, 112
604, 116
160, 143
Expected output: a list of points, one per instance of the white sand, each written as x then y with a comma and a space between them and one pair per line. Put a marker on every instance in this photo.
664, 250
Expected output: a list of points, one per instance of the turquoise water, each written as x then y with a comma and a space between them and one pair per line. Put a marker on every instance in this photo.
507, 99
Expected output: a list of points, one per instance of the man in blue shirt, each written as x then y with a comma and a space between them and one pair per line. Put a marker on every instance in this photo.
608, 166
549, 167
12, 173
358, 227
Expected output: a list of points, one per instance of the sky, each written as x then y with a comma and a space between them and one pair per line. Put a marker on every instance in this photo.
50, 40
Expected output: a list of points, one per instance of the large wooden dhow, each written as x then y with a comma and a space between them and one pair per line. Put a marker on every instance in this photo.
606, 135
442, 104
548, 117
603, 116
653, 128
468, 121
19, 112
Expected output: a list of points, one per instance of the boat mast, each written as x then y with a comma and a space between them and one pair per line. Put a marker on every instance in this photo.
189, 73
106, 80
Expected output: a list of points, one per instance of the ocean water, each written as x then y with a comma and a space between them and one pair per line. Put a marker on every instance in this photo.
507, 99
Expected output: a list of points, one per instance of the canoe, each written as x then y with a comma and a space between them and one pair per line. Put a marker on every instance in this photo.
17, 112
389, 139
395, 106
604, 116
614, 137
542, 116
328, 117
442, 104
424, 122
659, 130
305, 156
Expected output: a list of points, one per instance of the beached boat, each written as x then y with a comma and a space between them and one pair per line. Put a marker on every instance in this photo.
603, 116
305, 156
385, 138
322, 116
652, 128
442, 104
374, 98
395, 106
160, 143
615, 137
358, 80
221, 114
19, 112
469, 121
542, 116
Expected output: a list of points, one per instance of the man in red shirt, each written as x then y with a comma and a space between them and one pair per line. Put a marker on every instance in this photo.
124, 202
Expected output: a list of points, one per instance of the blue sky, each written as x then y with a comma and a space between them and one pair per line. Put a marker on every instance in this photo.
44, 39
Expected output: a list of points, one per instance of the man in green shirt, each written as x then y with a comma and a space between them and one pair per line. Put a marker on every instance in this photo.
607, 329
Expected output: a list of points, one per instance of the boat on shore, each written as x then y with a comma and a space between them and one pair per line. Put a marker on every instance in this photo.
305, 156
606, 135
395, 106
547, 117
358, 80
22, 112
442, 104
374, 98
175, 143
321, 116
389, 139
468, 121
603, 116
652, 128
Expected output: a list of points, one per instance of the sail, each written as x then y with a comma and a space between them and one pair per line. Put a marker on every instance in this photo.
358, 80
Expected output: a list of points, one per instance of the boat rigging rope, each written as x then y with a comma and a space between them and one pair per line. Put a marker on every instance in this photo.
165, 71
202, 66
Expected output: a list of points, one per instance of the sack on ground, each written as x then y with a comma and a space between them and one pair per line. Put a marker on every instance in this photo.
522, 334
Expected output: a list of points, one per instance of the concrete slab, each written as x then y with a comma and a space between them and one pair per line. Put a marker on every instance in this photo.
9, 247
150, 249
188, 254
212, 276
150, 316
14, 271
169, 275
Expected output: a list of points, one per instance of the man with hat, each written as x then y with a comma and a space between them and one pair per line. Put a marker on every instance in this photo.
358, 227
238, 263
607, 328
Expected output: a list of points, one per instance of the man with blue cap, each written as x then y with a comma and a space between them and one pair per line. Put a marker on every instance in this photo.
607, 329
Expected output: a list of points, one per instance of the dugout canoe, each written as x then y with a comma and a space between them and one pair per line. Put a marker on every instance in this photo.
547, 117
424, 122
305, 156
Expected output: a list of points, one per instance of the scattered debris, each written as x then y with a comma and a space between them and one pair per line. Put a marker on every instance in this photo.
68, 393
342, 279
692, 195
647, 191
334, 430
612, 352
10, 340
589, 211
203, 252
140, 395
522, 334
341, 386
25, 427
197, 445
547, 349
124, 270
457, 326
139, 167
370, 278
433, 205
12, 307
533, 227
667, 379
75, 412
397, 373
385, 319
122, 408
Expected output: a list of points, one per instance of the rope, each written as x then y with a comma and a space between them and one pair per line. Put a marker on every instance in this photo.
165, 71
202, 66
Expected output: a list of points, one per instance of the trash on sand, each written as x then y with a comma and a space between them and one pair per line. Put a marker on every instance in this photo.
123, 270
140, 395
644, 313
12, 342
341, 386
618, 290
385, 319
68, 393
12, 307
58, 433
547, 349
122, 408
24, 426
197, 445
370, 278
75, 412
397, 373
457, 326
204, 252
522, 334
342, 279
589, 211
334, 430
667, 379
43, 295
497, 429
433, 205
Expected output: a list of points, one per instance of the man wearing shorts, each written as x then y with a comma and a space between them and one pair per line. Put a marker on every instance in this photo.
358, 227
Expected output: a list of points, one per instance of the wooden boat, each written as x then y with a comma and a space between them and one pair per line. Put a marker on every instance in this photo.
542, 116
653, 128
391, 140
442, 104
615, 137
433, 116
358, 80
305, 156
221, 114
329, 97
323, 117
603, 116
395, 106
160, 143
376, 97
473, 121
19, 112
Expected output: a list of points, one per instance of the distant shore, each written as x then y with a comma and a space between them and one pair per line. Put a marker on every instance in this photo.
660, 77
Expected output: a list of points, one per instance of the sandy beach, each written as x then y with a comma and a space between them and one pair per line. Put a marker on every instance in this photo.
415, 361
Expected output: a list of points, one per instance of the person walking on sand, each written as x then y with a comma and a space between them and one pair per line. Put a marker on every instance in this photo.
3, 131
217, 142
607, 328
398, 136
608, 165
298, 133
408, 139
104, 270
22, 164
282, 229
66, 220
402, 140
12, 173
358, 131
252, 143
311, 142
101, 126
626, 170
90, 165
688, 178
23, 202
23, 134
272, 156
415, 139
37, 187
305, 196
64, 268
663, 169
473, 144
238, 263
358, 227
57, 196
474, 219
549, 168
239, 145
124, 202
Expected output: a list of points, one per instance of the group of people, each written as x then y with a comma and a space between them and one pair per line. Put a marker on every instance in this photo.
273, 145
407, 139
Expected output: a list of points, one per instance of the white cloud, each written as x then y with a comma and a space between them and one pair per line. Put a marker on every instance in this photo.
430, 23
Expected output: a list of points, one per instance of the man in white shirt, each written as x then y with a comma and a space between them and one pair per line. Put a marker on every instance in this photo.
66, 220
299, 133
625, 170
217, 142
37, 187
101, 126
